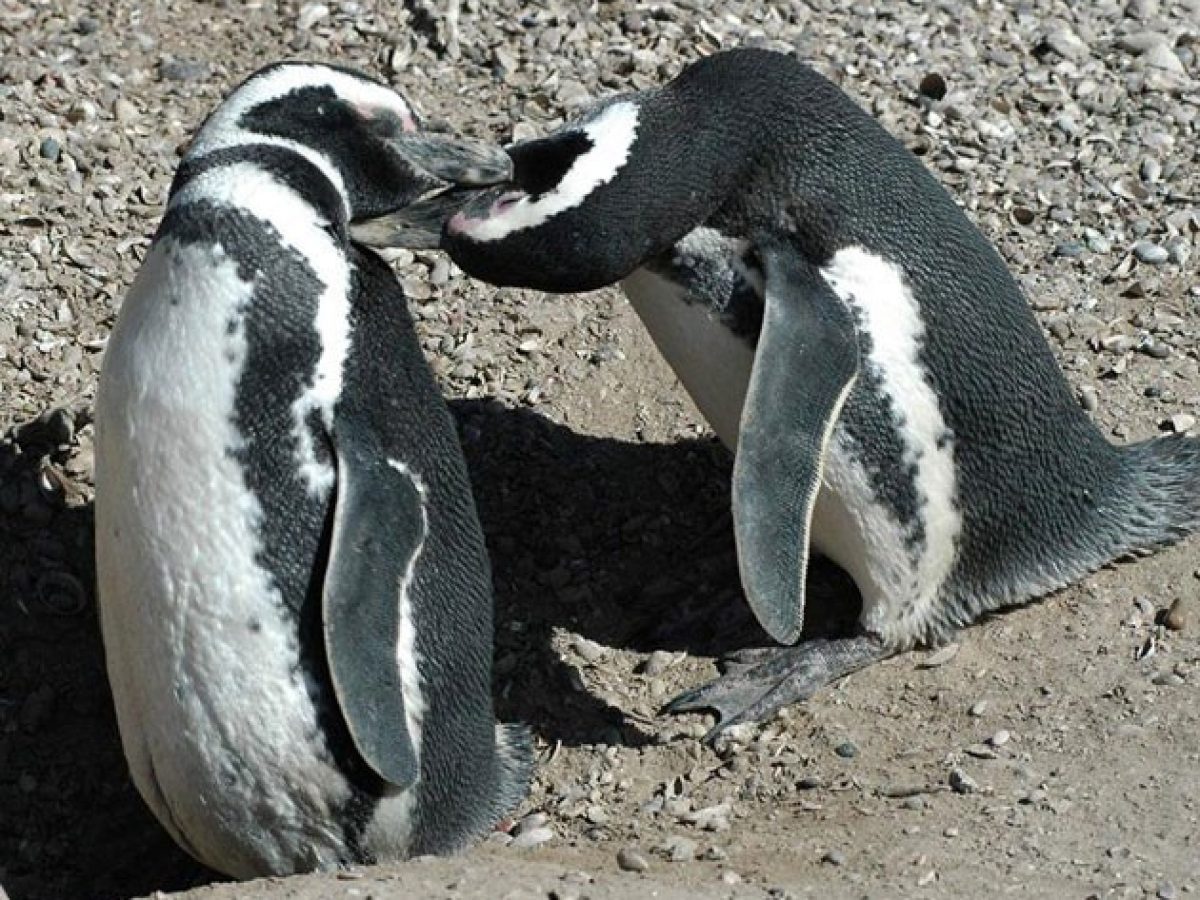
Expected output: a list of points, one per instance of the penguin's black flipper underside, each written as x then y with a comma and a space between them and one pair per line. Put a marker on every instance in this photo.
804, 367
379, 527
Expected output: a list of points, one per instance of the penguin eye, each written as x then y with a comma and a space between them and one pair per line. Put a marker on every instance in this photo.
507, 201
320, 109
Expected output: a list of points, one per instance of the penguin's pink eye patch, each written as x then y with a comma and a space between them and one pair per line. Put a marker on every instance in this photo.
463, 223
506, 202
379, 114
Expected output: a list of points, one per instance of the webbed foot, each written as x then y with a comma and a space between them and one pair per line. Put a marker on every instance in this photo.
759, 682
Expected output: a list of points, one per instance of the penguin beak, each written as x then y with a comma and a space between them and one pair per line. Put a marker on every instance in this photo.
454, 160
459, 168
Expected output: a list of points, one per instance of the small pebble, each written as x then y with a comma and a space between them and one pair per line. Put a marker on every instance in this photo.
680, 849
124, 111
1066, 43
658, 662
980, 751
182, 70
533, 820
1175, 617
978, 708
711, 818
1000, 738
1166, 891
846, 750
531, 837
631, 860
834, 858
730, 877
1160, 56
589, 650
1022, 215
310, 15
440, 273
416, 288
1156, 349
50, 149
1181, 422
933, 86
962, 783
1150, 253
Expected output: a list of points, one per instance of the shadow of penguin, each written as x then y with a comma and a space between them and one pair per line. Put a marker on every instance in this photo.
71, 822
627, 544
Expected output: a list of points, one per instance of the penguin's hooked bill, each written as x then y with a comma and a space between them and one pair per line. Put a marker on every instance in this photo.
460, 166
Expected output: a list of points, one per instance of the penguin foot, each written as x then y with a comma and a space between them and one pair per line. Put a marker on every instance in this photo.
760, 682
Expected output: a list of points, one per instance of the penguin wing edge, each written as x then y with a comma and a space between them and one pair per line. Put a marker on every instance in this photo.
379, 530
805, 364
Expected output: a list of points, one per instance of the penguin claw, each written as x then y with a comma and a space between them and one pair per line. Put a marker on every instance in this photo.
760, 682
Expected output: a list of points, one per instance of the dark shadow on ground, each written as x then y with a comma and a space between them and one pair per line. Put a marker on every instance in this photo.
629, 544
71, 823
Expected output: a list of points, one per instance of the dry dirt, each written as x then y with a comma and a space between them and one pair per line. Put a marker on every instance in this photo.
1057, 754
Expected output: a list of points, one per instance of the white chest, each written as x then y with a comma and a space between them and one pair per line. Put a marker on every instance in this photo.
215, 717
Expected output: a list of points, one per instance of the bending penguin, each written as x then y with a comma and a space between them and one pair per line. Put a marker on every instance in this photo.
853, 337
294, 591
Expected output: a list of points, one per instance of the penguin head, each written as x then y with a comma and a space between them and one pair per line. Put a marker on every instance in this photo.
531, 231
573, 216
364, 136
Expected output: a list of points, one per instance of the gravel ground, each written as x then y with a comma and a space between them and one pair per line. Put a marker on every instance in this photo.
1056, 753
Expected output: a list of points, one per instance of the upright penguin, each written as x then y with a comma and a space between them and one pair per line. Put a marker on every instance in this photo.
295, 595
856, 340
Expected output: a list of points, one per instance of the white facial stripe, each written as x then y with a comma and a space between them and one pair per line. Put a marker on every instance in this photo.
406, 645
246, 187
889, 312
223, 130
612, 134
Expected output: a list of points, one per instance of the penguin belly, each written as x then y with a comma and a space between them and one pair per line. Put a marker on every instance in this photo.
851, 524
193, 624
711, 362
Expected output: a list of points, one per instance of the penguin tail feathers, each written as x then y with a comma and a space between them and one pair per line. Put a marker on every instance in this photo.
1161, 499
514, 758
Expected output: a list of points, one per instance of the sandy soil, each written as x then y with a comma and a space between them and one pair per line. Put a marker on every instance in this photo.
1056, 754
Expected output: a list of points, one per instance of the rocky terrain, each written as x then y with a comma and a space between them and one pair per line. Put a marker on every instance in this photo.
1053, 751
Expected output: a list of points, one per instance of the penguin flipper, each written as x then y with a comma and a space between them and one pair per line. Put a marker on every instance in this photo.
379, 529
804, 367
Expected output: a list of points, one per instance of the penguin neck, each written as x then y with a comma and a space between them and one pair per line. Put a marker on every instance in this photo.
293, 170
716, 129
